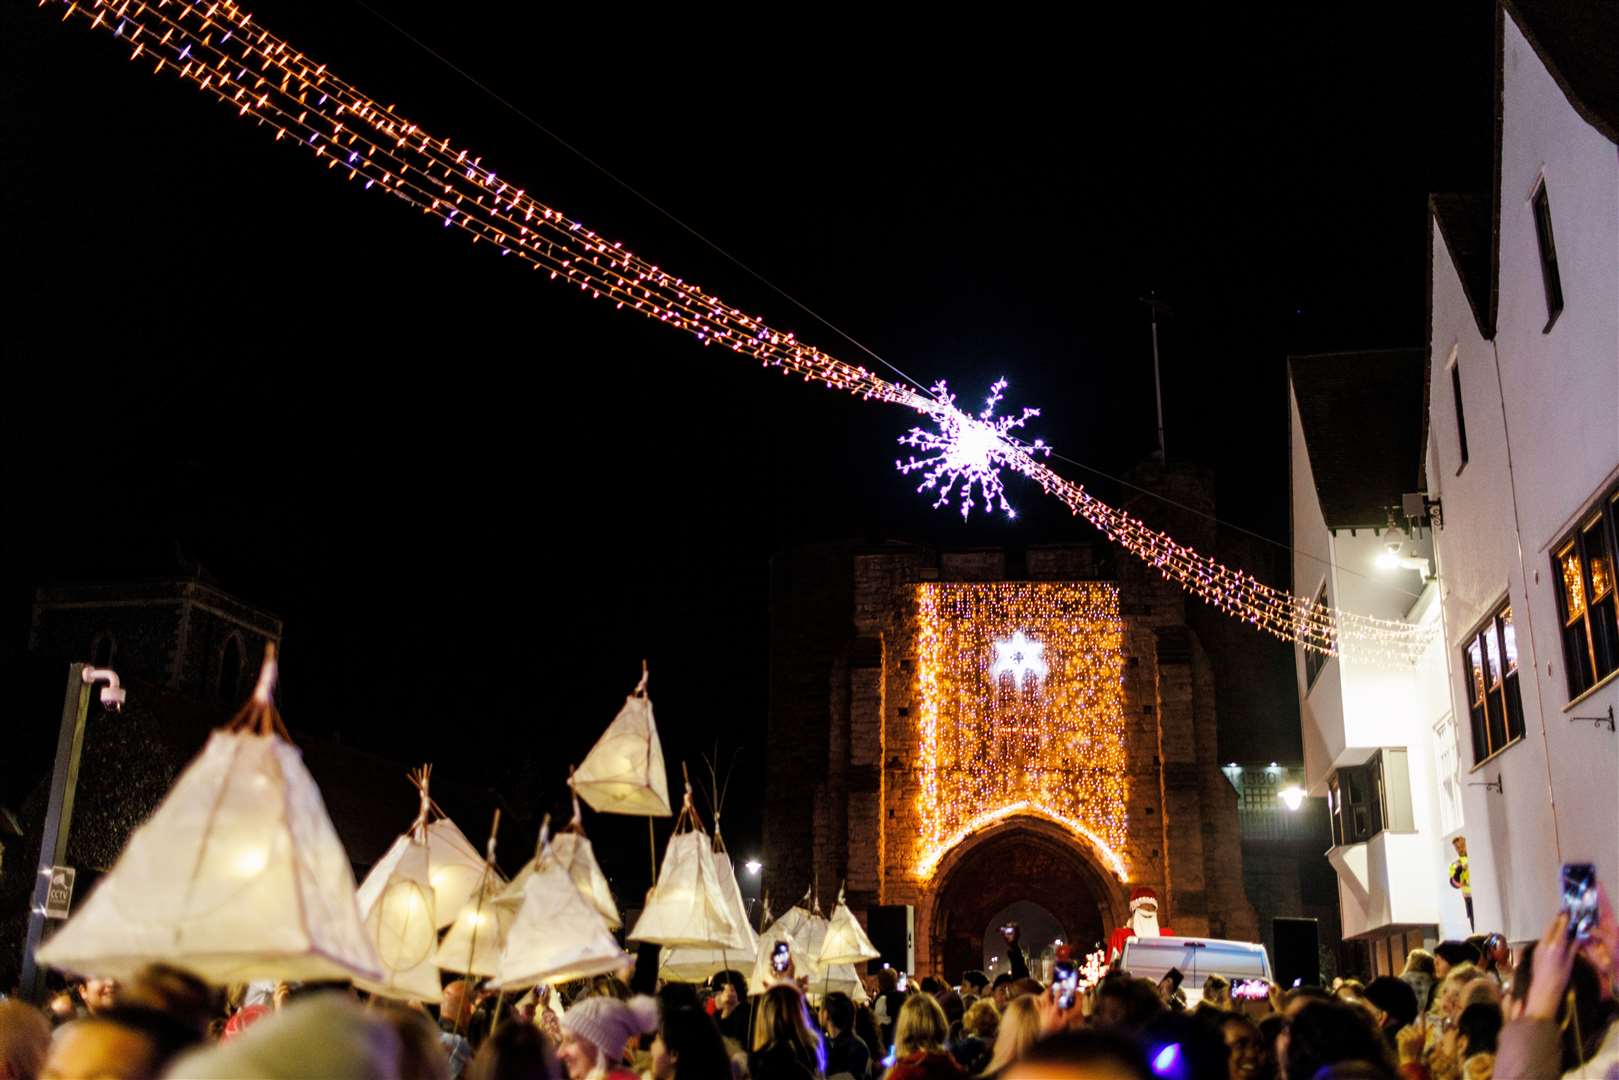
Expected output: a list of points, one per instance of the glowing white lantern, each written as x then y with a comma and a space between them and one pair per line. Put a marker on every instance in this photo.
573, 852
403, 928
454, 868
693, 964
687, 905
846, 941
624, 771
476, 938
558, 935
237, 875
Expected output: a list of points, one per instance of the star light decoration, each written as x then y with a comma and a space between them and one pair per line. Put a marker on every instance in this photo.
969, 450
1019, 657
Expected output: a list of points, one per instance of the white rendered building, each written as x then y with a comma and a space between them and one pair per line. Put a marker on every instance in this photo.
1379, 740
1522, 454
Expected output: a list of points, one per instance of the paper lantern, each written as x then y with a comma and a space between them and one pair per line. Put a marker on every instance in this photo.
846, 941
238, 874
454, 866
402, 927
573, 852
688, 964
476, 938
558, 935
624, 772
454, 869
687, 906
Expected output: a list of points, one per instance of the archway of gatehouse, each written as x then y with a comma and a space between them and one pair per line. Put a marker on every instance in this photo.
1019, 861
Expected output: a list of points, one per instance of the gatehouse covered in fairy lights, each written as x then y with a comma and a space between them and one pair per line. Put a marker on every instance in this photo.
959, 731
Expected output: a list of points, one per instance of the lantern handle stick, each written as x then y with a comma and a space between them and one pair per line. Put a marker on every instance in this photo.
543, 839
578, 822
640, 687
652, 848
420, 778
477, 914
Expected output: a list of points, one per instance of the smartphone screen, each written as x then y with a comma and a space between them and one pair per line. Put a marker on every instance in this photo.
1580, 899
1065, 982
1251, 990
780, 957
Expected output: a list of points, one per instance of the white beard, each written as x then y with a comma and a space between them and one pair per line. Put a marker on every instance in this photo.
1143, 923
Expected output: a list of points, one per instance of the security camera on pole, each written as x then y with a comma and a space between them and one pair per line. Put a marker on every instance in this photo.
81, 678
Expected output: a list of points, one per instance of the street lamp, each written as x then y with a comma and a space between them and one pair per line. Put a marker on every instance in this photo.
1292, 796
753, 866
1393, 556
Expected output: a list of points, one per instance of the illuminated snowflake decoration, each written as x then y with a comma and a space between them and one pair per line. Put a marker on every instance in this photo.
970, 451
1018, 657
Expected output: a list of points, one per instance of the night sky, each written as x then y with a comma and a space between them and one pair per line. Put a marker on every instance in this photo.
478, 500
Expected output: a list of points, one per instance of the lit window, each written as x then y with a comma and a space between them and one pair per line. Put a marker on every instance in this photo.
1494, 704
1583, 567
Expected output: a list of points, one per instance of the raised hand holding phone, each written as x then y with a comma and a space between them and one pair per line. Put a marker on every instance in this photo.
1553, 961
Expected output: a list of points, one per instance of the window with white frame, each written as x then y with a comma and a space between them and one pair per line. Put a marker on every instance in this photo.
1447, 773
1490, 666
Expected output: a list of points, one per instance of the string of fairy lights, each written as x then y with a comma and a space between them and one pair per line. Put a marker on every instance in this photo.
1040, 731
217, 47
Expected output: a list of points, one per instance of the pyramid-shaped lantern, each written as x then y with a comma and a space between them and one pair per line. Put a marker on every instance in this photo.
401, 924
454, 866
689, 964
688, 906
476, 937
558, 934
237, 875
572, 850
624, 772
809, 931
846, 941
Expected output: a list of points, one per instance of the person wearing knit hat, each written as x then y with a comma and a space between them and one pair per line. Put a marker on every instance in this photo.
1143, 921
596, 1031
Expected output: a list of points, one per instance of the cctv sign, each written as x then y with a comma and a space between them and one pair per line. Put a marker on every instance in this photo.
60, 895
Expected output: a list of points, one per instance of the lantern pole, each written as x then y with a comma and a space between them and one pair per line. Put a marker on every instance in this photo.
81, 678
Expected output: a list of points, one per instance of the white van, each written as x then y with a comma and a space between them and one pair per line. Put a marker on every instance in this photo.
1197, 959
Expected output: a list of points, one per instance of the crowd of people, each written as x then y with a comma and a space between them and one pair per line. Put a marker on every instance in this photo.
1466, 1010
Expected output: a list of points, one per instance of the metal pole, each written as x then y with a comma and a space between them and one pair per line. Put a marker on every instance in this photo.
58, 817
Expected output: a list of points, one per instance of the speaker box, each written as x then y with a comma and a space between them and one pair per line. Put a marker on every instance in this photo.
1298, 952
892, 929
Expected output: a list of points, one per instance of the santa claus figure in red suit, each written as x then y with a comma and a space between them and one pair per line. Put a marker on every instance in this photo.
1143, 922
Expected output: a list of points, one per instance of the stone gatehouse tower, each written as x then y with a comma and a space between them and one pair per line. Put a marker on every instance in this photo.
918, 756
